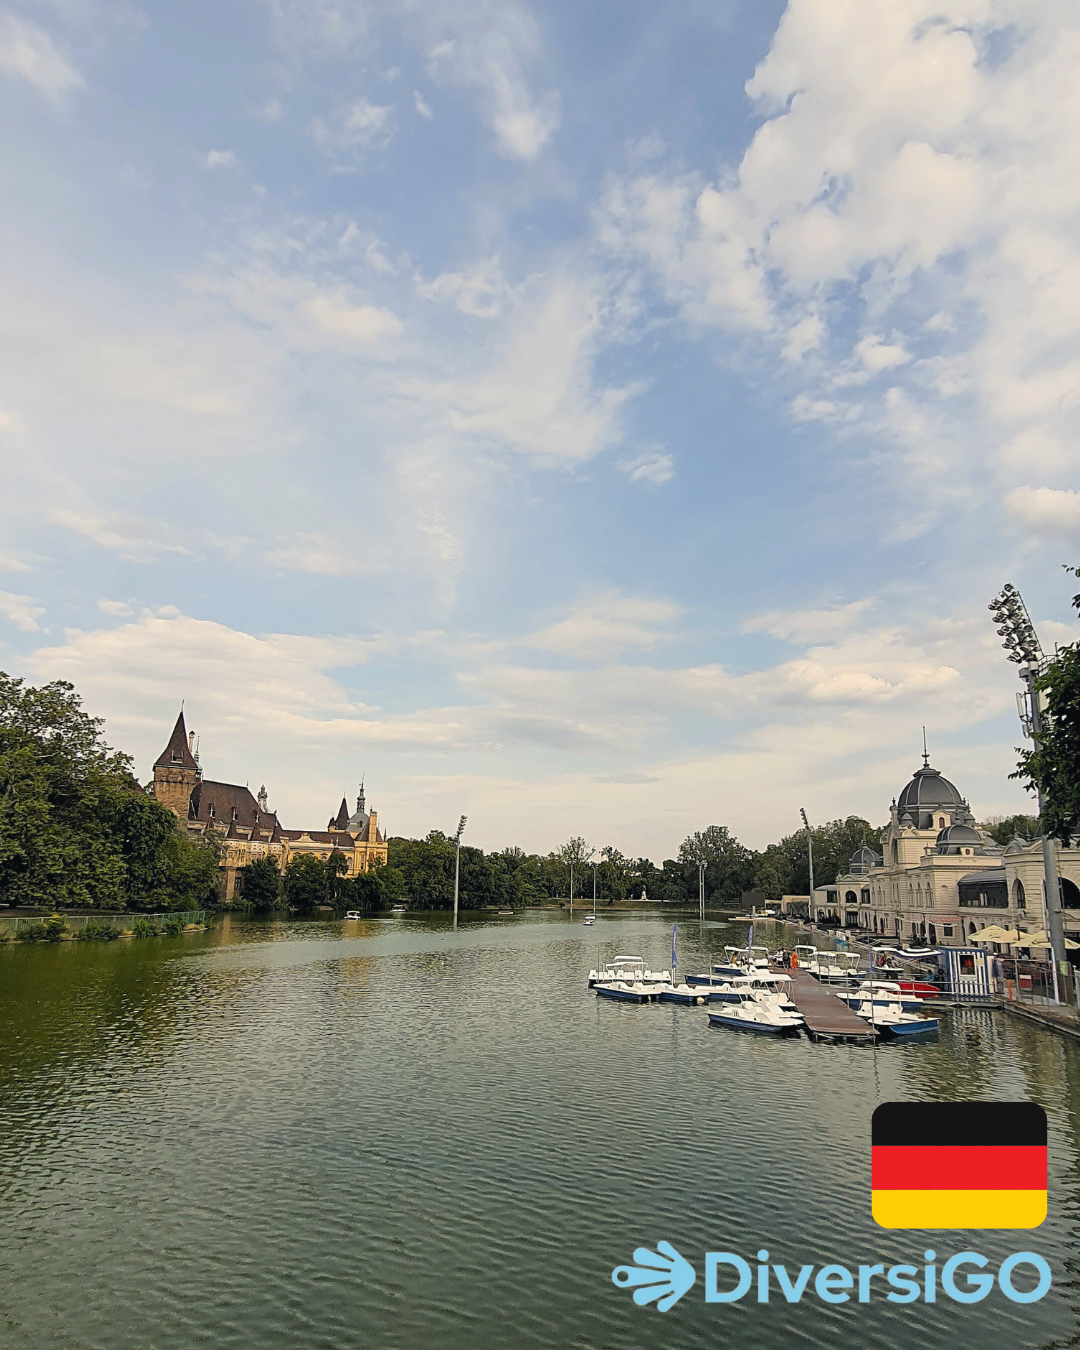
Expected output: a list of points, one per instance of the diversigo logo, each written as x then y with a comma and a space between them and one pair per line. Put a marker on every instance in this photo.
934, 1165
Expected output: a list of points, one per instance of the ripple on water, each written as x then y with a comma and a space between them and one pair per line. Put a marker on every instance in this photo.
303, 1138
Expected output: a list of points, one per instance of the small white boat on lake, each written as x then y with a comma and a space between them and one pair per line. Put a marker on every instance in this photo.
887, 1016
757, 1015
691, 994
882, 990
829, 967
352, 915
628, 967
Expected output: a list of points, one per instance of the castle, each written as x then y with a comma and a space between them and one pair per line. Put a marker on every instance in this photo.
248, 828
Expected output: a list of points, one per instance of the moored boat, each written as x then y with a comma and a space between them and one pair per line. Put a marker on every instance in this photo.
762, 1017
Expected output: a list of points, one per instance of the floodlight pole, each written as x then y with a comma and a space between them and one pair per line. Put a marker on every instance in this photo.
1022, 644
457, 863
810, 860
1055, 927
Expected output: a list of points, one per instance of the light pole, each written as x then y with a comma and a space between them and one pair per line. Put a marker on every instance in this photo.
1022, 644
810, 860
701, 891
594, 867
457, 862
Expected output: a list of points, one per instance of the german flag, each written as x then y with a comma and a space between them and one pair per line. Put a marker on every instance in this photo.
959, 1165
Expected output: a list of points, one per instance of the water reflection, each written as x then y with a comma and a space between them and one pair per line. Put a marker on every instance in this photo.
387, 1133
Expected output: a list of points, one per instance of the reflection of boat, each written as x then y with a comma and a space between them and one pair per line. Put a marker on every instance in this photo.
353, 914
503, 913
752, 1014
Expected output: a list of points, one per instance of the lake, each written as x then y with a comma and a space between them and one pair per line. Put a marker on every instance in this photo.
390, 1134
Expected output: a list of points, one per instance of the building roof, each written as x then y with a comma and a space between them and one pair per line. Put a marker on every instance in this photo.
177, 753
990, 874
222, 803
341, 820
862, 860
955, 838
336, 838
928, 791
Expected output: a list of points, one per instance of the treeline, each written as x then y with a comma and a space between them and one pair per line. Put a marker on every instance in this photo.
76, 829
420, 873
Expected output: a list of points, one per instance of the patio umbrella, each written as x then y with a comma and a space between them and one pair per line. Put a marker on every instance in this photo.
1042, 939
995, 933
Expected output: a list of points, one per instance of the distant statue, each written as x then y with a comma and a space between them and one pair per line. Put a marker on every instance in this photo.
262, 799
643, 895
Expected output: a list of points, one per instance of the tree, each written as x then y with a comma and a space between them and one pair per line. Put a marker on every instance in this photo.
1053, 767
260, 885
304, 882
729, 865
784, 869
76, 829
575, 853
336, 866
1003, 829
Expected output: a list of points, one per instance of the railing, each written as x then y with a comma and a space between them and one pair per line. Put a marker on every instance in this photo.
12, 924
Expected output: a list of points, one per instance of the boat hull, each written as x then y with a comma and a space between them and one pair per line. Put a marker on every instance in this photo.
758, 1028
625, 995
675, 996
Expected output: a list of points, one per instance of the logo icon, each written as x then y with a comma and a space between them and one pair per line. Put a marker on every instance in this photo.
663, 1275
958, 1165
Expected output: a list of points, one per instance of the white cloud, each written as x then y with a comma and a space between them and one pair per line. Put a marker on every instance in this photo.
220, 159
421, 107
607, 624
489, 52
910, 179
1047, 511
367, 324
10, 563
21, 611
115, 608
538, 396
136, 541
653, 466
358, 127
810, 625
28, 52
479, 291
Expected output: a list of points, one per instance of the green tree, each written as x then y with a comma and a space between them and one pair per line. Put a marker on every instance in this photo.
1003, 829
729, 865
336, 866
783, 868
260, 885
75, 827
304, 882
1053, 767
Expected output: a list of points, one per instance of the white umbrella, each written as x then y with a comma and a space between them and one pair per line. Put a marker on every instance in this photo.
1042, 939
995, 933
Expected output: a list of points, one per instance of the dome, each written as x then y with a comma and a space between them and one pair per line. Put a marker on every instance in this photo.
862, 860
960, 839
1017, 844
928, 792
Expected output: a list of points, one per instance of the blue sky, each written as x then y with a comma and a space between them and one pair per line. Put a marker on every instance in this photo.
596, 427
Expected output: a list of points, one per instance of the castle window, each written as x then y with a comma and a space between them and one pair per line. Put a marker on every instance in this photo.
1019, 894
946, 930
941, 822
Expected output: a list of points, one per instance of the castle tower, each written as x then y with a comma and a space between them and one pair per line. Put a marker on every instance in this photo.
176, 772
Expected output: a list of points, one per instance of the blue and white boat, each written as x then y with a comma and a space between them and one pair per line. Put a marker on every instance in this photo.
761, 1016
887, 991
690, 994
888, 1018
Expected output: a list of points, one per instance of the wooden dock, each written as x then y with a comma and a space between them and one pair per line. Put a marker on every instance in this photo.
827, 1018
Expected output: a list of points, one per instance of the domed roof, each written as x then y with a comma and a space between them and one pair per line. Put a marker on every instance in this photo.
959, 834
862, 860
961, 839
928, 791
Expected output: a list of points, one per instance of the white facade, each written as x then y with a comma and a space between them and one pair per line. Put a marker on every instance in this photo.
938, 878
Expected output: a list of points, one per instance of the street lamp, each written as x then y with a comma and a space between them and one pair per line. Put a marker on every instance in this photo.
810, 860
595, 865
1022, 644
457, 862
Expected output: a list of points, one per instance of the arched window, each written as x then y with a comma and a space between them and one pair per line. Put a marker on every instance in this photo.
941, 822
1070, 894
1019, 894
895, 851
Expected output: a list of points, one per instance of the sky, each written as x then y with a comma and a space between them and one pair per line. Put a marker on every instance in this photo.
595, 421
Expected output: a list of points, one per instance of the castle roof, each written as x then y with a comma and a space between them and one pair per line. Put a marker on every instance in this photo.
341, 820
177, 754
222, 803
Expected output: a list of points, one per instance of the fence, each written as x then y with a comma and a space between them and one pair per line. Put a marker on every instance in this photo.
11, 925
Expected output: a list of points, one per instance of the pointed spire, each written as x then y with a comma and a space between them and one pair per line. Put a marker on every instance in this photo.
360, 799
925, 752
177, 753
341, 821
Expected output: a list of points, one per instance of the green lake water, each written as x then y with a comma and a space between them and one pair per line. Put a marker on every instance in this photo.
391, 1134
